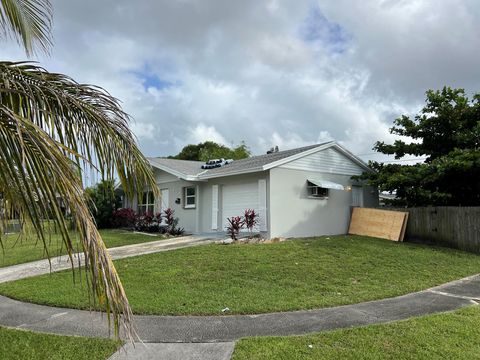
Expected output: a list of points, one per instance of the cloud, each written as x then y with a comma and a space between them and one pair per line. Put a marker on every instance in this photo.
202, 133
268, 73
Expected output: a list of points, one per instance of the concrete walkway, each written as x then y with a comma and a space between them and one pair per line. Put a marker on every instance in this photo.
226, 329
59, 263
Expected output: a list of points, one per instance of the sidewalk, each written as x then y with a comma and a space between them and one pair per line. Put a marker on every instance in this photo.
227, 329
59, 263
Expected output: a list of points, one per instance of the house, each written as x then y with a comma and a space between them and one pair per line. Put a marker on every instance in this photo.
299, 192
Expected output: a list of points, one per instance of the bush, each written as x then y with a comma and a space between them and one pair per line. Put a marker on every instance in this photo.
250, 219
123, 218
103, 202
235, 224
153, 223
149, 223
172, 222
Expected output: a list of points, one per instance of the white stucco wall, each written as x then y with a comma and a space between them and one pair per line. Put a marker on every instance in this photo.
294, 214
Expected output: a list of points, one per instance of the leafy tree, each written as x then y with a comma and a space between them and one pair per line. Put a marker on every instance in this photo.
51, 128
211, 150
446, 133
103, 203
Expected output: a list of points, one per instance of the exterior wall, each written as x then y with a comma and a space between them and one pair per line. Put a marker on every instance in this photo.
187, 217
205, 215
294, 214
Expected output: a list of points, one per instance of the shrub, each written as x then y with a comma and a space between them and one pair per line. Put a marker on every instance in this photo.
124, 217
235, 223
102, 202
149, 223
172, 222
250, 219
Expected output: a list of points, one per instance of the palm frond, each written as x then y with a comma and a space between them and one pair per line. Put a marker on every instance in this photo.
29, 22
51, 127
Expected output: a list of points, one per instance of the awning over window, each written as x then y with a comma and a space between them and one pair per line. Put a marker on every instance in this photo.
326, 184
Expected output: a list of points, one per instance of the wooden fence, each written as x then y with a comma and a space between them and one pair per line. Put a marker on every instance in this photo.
457, 227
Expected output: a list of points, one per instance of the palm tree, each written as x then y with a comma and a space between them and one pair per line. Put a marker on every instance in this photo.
51, 129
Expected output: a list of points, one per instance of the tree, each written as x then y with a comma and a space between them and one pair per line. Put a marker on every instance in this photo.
52, 128
211, 150
446, 133
103, 203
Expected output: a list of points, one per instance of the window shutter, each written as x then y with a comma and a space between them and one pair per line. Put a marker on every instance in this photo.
262, 204
214, 207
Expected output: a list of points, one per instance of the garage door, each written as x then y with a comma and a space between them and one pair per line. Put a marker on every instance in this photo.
236, 198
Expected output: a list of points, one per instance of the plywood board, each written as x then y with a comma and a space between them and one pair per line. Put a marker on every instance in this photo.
383, 224
404, 227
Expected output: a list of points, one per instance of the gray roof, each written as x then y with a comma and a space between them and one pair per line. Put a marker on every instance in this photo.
185, 167
255, 162
251, 164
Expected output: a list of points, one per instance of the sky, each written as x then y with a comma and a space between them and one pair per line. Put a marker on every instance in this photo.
285, 73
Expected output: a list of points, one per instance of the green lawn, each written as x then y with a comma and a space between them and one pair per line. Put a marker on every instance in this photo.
445, 336
19, 344
17, 250
299, 274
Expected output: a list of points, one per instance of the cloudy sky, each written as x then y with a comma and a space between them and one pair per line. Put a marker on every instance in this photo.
286, 73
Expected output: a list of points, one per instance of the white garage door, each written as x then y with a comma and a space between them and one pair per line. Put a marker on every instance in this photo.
236, 198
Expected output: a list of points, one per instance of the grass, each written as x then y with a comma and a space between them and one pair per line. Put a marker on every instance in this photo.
20, 344
17, 250
300, 274
452, 335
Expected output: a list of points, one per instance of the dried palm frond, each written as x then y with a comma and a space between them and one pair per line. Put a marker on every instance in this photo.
50, 128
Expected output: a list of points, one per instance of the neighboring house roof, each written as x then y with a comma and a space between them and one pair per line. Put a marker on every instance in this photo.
191, 170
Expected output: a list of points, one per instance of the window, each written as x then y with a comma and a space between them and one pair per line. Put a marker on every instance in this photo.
146, 203
315, 191
189, 197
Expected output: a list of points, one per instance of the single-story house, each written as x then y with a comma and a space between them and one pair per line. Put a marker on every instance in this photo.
299, 192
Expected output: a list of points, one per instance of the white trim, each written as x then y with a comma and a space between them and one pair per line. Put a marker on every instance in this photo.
178, 174
353, 157
214, 207
297, 156
315, 150
238, 172
262, 204
185, 196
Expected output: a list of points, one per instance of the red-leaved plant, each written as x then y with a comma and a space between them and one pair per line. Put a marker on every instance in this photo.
124, 217
235, 223
169, 216
250, 219
172, 222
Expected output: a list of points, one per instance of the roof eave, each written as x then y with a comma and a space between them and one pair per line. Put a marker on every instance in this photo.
330, 144
176, 173
238, 172
298, 156
354, 158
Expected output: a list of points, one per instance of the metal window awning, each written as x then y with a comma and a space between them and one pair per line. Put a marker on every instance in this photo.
326, 184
